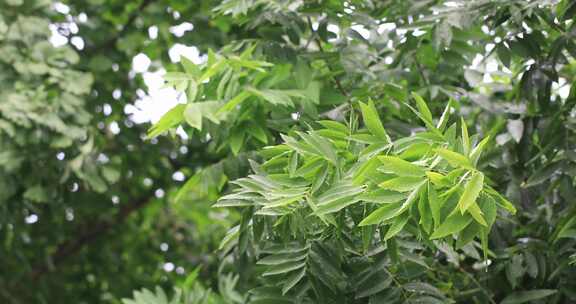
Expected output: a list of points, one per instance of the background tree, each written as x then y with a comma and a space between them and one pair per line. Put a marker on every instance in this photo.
281, 67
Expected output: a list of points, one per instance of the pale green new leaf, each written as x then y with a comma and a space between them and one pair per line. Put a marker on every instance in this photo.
477, 151
465, 137
477, 214
455, 159
190, 67
171, 119
471, 191
402, 183
400, 167
443, 122
193, 115
372, 121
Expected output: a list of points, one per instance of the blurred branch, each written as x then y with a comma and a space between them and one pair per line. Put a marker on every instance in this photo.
87, 235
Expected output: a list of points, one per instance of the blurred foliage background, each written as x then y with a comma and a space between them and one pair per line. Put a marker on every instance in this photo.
92, 209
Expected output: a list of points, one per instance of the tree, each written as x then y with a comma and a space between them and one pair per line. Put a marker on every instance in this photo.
352, 187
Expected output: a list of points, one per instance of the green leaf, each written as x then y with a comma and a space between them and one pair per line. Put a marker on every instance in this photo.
527, 296
543, 174
568, 230
468, 234
476, 213
292, 280
177, 77
488, 207
397, 225
465, 137
471, 191
372, 121
443, 121
300, 147
373, 285
192, 91
258, 132
282, 258
339, 191
334, 125
322, 145
232, 103
193, 115
284, 268
426, 219
213, 68
275, 97
422, 107
501, 201
382, 196
424, 288
410, 199
171, 119
400, 167
435, 204
237, 141
477, 151
381, 214
191, 278
337, 198
365, 171
402, 183
453, 224
455, 159
189, 66
39, 194
437, 179
395, 91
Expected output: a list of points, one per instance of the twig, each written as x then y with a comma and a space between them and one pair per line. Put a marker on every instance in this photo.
319, 43
421, 71
393, 277
484, 291
110, 42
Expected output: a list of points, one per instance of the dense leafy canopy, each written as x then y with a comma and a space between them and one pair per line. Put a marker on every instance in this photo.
334, 152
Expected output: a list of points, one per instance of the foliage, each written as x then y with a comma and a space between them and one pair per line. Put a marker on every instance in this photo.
83, 213
282, 205
334, 184
340, 185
